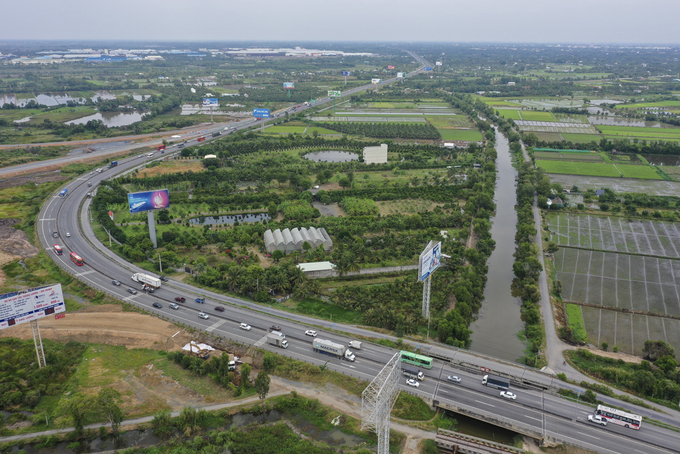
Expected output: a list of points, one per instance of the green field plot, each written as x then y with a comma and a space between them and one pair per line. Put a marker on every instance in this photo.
320, 130
595, 169
511, 114
470, 135
549, 136
576, 321
532, 115
581, 138
382, 105
498, 102
591, 322
569, 118
632, 131
547, 155
446, 122
279, 129
675, 104
642, 172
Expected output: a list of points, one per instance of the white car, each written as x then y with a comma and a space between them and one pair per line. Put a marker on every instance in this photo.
68, 235
453, 379
173, 306
508, 395
245, 326
597, 419
412, 382
203, 315
310, 332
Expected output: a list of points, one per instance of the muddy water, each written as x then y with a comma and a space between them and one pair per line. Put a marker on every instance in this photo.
495, 330
110, 119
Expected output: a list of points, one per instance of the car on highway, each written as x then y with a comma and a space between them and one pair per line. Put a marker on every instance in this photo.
453, 379
158, 305
412, 382
310, 332
245, 326
68, 235
131, 290
200, 300
180, 299
203, 315
163, 278
173, 306
597, 419
219, 308
509, 395
149, 289
275, 328
55, 234
116, 283
89, 185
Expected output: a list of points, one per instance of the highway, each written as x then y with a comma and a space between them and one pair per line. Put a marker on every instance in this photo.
535, 410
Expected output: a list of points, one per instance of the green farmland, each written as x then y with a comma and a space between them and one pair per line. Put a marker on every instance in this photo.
595, 169
471, 135
532, 115
648, 133
641, 172
510, 114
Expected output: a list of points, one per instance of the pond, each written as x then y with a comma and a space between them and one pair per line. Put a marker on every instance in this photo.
230, 219
110, 119
614, 121
662, 159
332, 156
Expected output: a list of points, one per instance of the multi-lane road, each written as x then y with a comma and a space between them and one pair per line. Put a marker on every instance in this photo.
535, 410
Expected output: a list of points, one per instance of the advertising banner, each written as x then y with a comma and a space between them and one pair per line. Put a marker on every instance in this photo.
390, 66
210, 102
334, 93
289, 85
399, 75
26, 305
261, 113
149, 200
438, 63
375, 81
428, 68
345, 73
429, 260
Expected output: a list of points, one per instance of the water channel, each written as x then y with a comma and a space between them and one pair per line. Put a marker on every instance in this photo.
495, 330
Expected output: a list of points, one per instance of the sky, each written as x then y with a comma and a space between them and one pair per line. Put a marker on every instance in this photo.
518, 21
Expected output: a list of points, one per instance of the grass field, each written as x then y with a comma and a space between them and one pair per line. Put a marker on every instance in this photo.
632, 131
471, 135
581, 138
171, 167
531, 115
596, 169
510, 114
498, 102
675, 104
548, 136
454, 121
576, 322
642, 172
280, 129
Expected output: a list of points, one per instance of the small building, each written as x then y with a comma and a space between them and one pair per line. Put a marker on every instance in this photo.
317, 269
375, 155
599, 192
511, 84
293, 240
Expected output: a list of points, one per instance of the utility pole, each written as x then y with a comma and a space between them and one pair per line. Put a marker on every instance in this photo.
160, 263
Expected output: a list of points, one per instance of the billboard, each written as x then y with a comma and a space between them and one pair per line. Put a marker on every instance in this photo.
438, 63
429, 260
428, 68
289, 85
210, 102
261, 113
149, 200
375, 81
334, 93
390, 66
27, 305
345, 73
400, 75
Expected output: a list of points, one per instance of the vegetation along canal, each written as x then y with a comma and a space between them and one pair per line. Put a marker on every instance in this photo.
495, 331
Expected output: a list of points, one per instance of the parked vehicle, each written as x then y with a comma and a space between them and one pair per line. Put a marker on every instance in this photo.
147, 279
180, 299
494, 381
355, 344
413, 373
331, 348
277, 340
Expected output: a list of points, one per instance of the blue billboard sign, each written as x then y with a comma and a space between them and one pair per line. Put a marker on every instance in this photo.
210, 102
289, 85
428, 68
149, 200
345, 73
261, 113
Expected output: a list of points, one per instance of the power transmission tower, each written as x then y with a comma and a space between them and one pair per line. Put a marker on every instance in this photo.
377, 401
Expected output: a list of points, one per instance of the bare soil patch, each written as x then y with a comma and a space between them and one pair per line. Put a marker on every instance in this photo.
37, 178
408, 206
624, 356
171, 167
14, 244
329, 210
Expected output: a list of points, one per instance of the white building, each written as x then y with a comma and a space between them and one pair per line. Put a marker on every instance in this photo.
375, 155
293, 240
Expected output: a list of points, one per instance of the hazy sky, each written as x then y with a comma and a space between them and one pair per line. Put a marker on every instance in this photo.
542, 21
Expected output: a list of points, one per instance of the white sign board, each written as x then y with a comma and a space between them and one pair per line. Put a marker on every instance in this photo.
438, 63
429, 260
27, 305
400, 75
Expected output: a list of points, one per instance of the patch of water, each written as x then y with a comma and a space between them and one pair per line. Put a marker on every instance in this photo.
615, 121
332, 156
662, 160
110, 119
230, 219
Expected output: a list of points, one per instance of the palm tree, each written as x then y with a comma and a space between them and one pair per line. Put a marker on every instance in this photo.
234, 277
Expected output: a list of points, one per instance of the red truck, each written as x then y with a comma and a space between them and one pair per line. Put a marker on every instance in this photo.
200, 139
160, 147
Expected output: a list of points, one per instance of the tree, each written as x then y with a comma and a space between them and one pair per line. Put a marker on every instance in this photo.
108, 405
262, 384
344, 182
277, 255
269, 361
654, 350
76, 409
245, 374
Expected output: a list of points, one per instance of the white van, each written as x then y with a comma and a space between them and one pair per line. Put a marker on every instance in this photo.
149, 155
278, 333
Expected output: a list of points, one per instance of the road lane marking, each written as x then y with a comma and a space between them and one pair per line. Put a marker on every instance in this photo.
261, 342
586, 435
484, 403
535, 419
48, 219
84, 273
215, 325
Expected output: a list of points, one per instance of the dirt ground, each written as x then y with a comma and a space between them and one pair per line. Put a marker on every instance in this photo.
171, 167
14, 244
624, 356
38, 177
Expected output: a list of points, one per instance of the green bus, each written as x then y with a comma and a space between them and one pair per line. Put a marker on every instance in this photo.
416, 360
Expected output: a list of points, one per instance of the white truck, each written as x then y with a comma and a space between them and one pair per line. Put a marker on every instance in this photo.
331, 348
277, 339
355, 344
147, 279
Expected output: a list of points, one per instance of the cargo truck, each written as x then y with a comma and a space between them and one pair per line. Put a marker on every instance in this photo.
496, 382
63, 193
331, 348
413, 373
355, 344
147, 279
277, 340
113, 164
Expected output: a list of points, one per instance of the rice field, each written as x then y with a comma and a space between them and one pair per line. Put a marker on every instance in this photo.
470, 135
531, 115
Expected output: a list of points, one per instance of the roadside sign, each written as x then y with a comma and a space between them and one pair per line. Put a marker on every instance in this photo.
428, 68
485, 369
312, 101
289, 85
261, 113
345, 73
210, 102
390, 66
334, 93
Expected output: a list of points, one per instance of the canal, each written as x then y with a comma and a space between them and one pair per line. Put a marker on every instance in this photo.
499, 321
